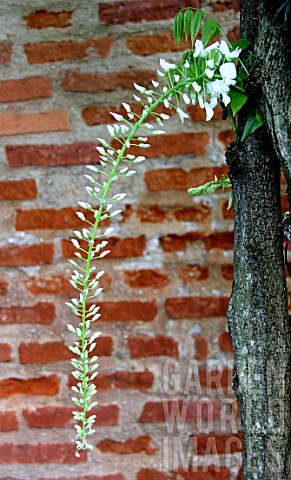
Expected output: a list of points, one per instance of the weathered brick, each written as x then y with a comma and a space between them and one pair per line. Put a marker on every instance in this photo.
201, 347
152, 474
174, 242
178, 179
156, 411
43, 19
222, 5
216, 379
224, 342
197, 213
60, 453
5, 352
44, 52
228, 213
8, 421
157, 43
145, 278
52, 219
172, 144
34, 352
113, 476
226, 137
239, 475
193, 272
197, 114
3, 287
145, 346
234, 34
25, 89
222, 240
17, 189
61, 417
5, 52
52, 155
221, 443
196, 307
121, 12
128, 311
95, 82
119, 247
23, 123
46, 385
135, 445
227, 271
207, 472
42, 313
151, 214
59, 284
121, 380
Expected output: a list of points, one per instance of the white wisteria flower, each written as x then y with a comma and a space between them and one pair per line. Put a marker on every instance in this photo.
227, 53
228, 70
166, 65
182, 114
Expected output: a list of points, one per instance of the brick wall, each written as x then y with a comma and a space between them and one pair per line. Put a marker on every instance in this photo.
64, 66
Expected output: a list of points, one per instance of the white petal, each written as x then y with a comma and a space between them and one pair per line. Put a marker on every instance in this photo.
196, 87
209, 73
201, 101
160, 73
198, 48
209, 112
127, 107
176, 78
223, 47
166, 65
187, 64
186, 98
210, 63
155, 84
228, 70
117, 117
225, 99
139, 88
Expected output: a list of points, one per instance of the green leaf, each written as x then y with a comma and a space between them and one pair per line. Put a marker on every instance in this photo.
242, 43
178, 27
209, 30
254, 121
237, 99
230, 201
195, 25
187, 23
210, 187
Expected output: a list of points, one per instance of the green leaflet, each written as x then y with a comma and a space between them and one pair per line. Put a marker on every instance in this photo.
209, 31
237, 99
242, 43
178, 27
195, 25
187, 23
254, 121
210, 187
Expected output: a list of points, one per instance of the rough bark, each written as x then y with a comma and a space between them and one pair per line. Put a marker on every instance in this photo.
258, 313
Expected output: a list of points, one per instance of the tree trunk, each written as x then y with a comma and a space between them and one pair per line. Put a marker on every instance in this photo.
258, 313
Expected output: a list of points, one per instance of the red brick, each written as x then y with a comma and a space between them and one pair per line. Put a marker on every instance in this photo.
227, 213
227, 271
135, 445
52, 155
201, 347
121, 380
60, 453
178, 179
191, 273
41, 313
119, 247
34, 352
234, 34
149, 10
152, 474
25, 89
127, 311
145, 346
221, 443
239, 476
101, 115
156, 411
29, 386
51, 219
114, 476
216, 379
171, 145
222, 240
23, 123
226, 137
8, 421
197, 213
174, 242
224, 342
145, 278
157, 43
44, 52
43, 19
96, 82
222, 5
3, 287
17, 189
207, 472
5, 52
5, 352
196, 307
61, 417
151, 214
58, 284
197, 114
